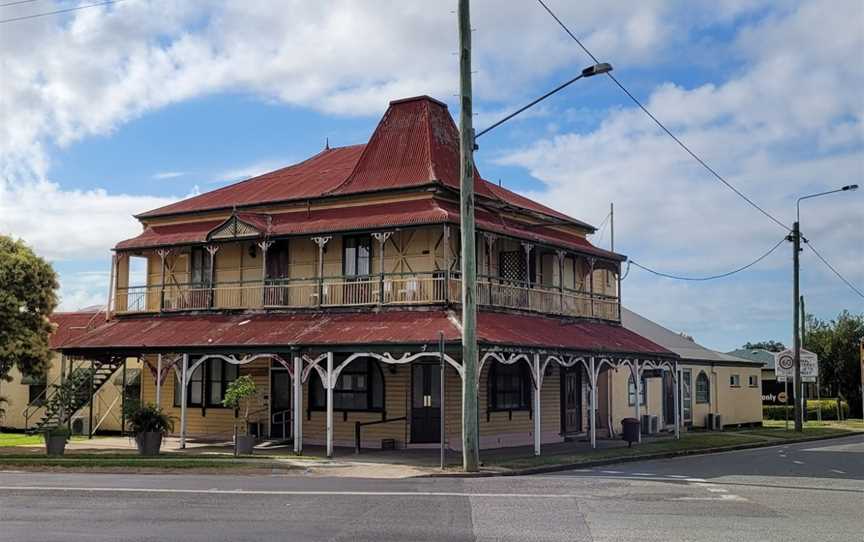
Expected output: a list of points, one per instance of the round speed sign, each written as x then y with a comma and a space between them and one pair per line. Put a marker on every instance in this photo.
786, 362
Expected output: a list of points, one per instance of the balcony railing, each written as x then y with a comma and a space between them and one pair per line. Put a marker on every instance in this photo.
371, 290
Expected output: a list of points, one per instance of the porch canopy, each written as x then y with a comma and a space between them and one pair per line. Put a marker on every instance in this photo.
306, 342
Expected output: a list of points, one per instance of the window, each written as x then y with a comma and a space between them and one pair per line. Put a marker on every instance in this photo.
703, 388
36, 394
509, 387
356, 257
631, 391
735, 381
207, 384
360, 387
753, 381
199, 267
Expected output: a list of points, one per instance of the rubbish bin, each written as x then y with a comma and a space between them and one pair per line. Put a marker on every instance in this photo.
630, 430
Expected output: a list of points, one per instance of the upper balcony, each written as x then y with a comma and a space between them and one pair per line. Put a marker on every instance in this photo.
408, 267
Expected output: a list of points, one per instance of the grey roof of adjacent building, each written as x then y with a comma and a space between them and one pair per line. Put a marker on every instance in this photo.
681, 345
764, 357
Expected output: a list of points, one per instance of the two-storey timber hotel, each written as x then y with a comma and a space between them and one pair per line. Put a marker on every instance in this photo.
332, 281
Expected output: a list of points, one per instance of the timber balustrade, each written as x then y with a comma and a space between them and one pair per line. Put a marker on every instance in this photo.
389, 289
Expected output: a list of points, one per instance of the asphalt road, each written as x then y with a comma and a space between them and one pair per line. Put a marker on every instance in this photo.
808, 492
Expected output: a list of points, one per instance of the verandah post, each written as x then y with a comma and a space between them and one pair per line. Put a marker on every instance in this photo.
159, 380
183, 392
537, 385
592, 421
329, 389
637, 379
298, 403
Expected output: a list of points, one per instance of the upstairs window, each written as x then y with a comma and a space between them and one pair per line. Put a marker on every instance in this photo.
356, 256
735, 381
703, 388
753, 381
199, 267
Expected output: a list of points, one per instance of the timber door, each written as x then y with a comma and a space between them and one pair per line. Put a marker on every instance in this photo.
425, 403
571, 400
668, 399
280, 404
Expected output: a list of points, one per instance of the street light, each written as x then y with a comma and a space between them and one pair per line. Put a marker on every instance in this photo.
795, 237
590, 71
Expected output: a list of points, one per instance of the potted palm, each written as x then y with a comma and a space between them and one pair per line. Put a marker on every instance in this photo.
242, 395
149, 424
55, 440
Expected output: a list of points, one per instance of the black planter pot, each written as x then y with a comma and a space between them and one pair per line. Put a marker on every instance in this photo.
55, 445
149, 443
244, 445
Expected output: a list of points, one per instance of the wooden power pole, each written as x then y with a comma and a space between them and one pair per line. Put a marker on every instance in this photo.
470, 429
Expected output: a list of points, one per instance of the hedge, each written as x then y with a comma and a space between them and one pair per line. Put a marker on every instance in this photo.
829, 410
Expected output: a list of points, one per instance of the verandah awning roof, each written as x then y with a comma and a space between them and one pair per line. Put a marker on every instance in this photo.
213, 332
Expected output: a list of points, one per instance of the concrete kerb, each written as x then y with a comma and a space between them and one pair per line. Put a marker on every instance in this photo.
544, 469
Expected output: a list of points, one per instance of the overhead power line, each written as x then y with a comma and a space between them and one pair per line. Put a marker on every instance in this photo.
662, 127
5, 4
831, 267
712, 277
56, 12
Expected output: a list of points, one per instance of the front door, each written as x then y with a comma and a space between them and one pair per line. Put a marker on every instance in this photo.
571, 400
425, 403
280, 404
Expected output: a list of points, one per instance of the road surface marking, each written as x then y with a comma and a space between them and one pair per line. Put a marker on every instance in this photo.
798, 462
719, 498
288, 492
836, 471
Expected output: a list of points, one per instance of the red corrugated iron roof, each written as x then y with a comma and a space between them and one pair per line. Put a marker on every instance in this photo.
308, 179
333, 329
416, 143
363, 217
71, 325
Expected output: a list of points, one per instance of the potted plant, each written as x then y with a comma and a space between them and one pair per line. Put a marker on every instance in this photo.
55, 440
242, 395
149, 424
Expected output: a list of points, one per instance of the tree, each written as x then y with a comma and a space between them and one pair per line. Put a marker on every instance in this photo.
28, 296
771, 346
836, 344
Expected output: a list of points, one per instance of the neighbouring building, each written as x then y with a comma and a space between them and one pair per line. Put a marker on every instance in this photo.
333, 281
30, 400
718, 389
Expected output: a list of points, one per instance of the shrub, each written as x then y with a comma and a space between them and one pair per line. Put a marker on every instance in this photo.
57, 431
829, 410
149, 419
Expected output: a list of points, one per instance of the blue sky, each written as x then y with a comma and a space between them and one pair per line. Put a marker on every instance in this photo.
113, 111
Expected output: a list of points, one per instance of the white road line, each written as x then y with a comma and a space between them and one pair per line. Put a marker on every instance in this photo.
835, 471
285, 492
611, 471
675, 476
798, 462
719, 498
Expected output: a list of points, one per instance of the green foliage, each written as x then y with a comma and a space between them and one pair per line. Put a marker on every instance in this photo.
771, 346
829, 410
149, 419
240, 395
28, 296
836, 344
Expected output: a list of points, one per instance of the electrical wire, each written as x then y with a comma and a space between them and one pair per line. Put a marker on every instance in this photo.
662, 127
831, 267
6, 4
67, 10
712, 277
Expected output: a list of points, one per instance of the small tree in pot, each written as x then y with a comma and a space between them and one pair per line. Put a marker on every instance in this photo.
149, 424
55, 440
242, 395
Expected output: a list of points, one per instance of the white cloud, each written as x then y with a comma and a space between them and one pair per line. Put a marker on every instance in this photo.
70, 224
168, 175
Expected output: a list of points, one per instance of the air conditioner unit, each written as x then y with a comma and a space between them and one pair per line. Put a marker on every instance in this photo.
709, 421
654, 425
718, 423
645, 424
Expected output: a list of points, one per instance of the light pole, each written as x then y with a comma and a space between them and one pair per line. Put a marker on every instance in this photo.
795, 237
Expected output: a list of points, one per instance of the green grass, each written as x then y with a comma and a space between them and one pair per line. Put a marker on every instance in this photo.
20, 439
772, 432
135, 462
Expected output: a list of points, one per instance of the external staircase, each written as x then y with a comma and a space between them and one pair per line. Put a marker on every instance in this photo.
73, 394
